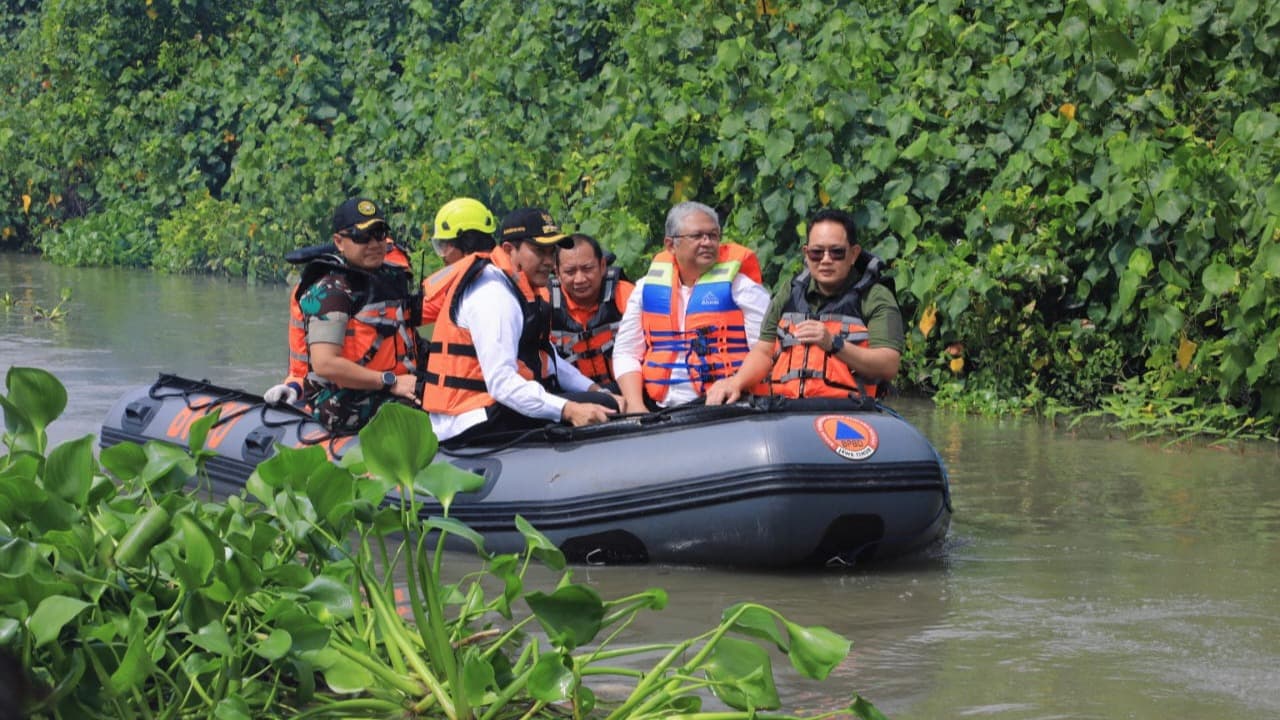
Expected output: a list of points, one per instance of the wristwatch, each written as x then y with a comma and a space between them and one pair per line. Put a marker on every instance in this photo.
837, 342
388, 380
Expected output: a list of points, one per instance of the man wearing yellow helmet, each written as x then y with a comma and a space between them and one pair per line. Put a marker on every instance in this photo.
463, 226
490, 366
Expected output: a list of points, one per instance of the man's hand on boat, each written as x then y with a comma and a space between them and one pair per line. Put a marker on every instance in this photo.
579, 414
723, 392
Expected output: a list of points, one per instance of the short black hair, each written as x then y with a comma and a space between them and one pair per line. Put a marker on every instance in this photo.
473, 241
836, 216
585, 238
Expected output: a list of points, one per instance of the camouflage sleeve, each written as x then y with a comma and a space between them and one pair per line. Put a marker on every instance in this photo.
326, 308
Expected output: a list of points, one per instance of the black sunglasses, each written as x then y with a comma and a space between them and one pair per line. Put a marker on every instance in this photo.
364, 237
815, 253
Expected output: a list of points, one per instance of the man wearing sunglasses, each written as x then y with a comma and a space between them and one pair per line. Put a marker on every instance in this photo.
835, 331
356, 309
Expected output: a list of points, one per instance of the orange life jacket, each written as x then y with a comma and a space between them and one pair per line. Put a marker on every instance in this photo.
454, 381
801, 370
589, 345
299, 360
379, 335
713, 342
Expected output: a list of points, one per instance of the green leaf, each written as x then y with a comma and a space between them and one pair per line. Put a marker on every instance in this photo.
457, 528
540, 545
551, 679
571, 615
397, 443
124, 460
68, 472
477, 677
39, 394
742, 675
815, 651
444, 481
865, 710
757, 622
198, 549
136, 666
332, 595
1220, 278
53, 613
232, 707
779, 146
213, 637
342, 674
275, 646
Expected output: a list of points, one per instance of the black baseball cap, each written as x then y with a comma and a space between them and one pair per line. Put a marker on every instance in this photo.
359, 213
535, 225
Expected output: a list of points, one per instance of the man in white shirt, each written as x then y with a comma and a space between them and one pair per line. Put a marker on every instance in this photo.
491, 367
694, 316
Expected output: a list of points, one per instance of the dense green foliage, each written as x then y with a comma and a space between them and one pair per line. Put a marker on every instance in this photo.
126, 595
1081, 195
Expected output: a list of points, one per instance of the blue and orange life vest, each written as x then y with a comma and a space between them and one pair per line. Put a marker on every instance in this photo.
713, 342
454, 381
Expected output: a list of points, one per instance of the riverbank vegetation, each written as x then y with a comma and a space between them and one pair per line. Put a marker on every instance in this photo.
126, 594
1080, 197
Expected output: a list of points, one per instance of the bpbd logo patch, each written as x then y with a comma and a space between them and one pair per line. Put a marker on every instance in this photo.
849, 437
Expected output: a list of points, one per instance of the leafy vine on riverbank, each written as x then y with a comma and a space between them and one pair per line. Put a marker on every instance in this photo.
1080, 196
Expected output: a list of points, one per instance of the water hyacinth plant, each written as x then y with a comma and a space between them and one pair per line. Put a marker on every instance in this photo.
127, 592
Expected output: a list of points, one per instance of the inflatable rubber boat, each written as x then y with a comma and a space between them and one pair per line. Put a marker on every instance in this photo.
769, 483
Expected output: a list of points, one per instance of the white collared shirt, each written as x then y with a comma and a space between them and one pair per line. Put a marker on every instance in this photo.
491, 313
629, 345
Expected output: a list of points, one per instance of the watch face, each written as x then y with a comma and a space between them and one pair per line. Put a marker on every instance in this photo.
388, 379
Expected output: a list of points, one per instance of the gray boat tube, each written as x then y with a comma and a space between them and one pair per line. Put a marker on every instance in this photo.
767, 483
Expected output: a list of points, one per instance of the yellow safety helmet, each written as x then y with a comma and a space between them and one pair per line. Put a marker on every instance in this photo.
462, 214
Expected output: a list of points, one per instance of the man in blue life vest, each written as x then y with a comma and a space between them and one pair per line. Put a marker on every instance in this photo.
834, 331
692, 318
362, 348
588, 295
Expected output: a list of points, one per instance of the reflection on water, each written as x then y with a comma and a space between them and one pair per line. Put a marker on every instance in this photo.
1085, 577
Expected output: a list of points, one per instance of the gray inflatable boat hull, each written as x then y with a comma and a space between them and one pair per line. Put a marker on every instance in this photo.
814, 483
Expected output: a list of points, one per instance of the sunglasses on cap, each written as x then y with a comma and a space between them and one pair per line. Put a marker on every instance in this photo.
364, 237
815, 253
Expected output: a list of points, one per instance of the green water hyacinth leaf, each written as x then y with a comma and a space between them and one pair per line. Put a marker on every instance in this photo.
233, 708
551, 679
865, 710
477, 677
540, 545
756, 622
332, 595
444, 481
332, 491
275, 646
53, 613
136, 665
457, 528
39, 394
571, 615
397, 443
213, 637
163, 462
289, 468
68, 472
198, 549
199, 429
8, 631
815, 651
742, 675
125, 460
342, 674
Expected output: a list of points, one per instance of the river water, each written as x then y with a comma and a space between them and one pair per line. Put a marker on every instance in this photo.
1084, 576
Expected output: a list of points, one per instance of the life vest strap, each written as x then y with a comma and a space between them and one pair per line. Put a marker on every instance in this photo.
456, 383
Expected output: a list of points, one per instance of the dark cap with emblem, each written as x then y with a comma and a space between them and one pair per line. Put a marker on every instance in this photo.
359, 213
535, 225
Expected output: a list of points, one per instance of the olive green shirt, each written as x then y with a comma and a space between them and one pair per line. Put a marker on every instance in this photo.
879, 311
